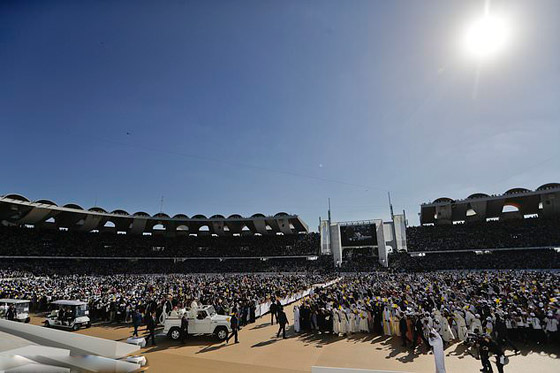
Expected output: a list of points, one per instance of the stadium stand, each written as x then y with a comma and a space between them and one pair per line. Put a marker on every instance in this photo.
477, 260
530, 232
18, 241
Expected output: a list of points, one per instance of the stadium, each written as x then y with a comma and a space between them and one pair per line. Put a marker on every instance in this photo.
265, 186
266, 261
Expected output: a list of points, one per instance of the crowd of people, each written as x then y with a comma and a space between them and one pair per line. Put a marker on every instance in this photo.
51, 267
398, 262
490, 310
114, 298
36, 242
503, 259
530, 232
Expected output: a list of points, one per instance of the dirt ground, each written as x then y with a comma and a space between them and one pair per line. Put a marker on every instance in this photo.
260, 351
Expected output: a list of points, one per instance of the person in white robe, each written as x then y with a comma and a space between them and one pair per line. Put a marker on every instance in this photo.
461, 326
395, 317
351, 321
386, 321
336, 322
193, 312
364, 327
296, 319
446, 332
476, 325
469, 317
437, 346
343, 321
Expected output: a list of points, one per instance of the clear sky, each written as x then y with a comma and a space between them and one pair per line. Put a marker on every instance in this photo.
264, 106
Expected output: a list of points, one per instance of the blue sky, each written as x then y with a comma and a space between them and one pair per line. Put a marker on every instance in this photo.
264, 106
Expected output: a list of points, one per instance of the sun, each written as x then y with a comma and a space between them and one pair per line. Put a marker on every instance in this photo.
487, 37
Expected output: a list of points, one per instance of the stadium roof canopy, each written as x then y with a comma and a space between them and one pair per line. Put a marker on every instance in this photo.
514, 203
18, 210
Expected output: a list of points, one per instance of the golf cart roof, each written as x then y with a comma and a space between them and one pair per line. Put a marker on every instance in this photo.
69, 303
14, 301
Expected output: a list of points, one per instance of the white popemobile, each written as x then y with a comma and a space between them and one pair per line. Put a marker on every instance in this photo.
202, 320
21, 307
69, 314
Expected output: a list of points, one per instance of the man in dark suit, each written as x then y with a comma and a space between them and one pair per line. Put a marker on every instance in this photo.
151, 326
282, 321
184, 327
11, 313
403, 328
136, 322
234, 321
272, 312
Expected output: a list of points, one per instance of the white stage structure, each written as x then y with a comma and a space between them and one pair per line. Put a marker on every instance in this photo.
390, 236
33, 348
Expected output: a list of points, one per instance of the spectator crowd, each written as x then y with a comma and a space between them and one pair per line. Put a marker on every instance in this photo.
530, 232
115, 297
489, 311
32, 241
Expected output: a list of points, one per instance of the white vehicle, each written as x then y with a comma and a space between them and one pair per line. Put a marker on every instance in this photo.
68, 314
204, 320
21, 307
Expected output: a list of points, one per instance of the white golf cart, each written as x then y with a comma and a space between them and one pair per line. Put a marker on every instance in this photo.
203, 320
68, 314
21, 307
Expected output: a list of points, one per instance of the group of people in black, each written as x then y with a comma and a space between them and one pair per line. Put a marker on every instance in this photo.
277, 311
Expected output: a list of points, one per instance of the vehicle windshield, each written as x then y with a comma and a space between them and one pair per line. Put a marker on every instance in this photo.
211, 311
81, 310
22, 307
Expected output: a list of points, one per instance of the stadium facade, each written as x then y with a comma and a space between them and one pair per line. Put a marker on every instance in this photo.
17, 210
543, 201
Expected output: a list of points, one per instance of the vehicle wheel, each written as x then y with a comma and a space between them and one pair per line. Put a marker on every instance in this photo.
88, 325
76, 327
27, 320
47, 325
174, 333
221, 333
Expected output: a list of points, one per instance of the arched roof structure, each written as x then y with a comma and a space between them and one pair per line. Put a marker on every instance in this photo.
544, 201
443, 199
517, 191
548, 186
16, 209
16, 196
478, 195
46, 202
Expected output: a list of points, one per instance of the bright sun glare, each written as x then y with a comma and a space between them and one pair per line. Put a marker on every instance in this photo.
486, 37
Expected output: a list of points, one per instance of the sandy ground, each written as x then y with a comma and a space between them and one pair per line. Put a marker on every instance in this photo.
260, 351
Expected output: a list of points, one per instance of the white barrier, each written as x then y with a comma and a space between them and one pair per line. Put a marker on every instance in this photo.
264, 308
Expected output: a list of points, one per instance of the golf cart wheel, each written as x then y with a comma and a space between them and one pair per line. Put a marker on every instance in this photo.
174, 333
27, 320
221, 333
46, 324
76, 327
